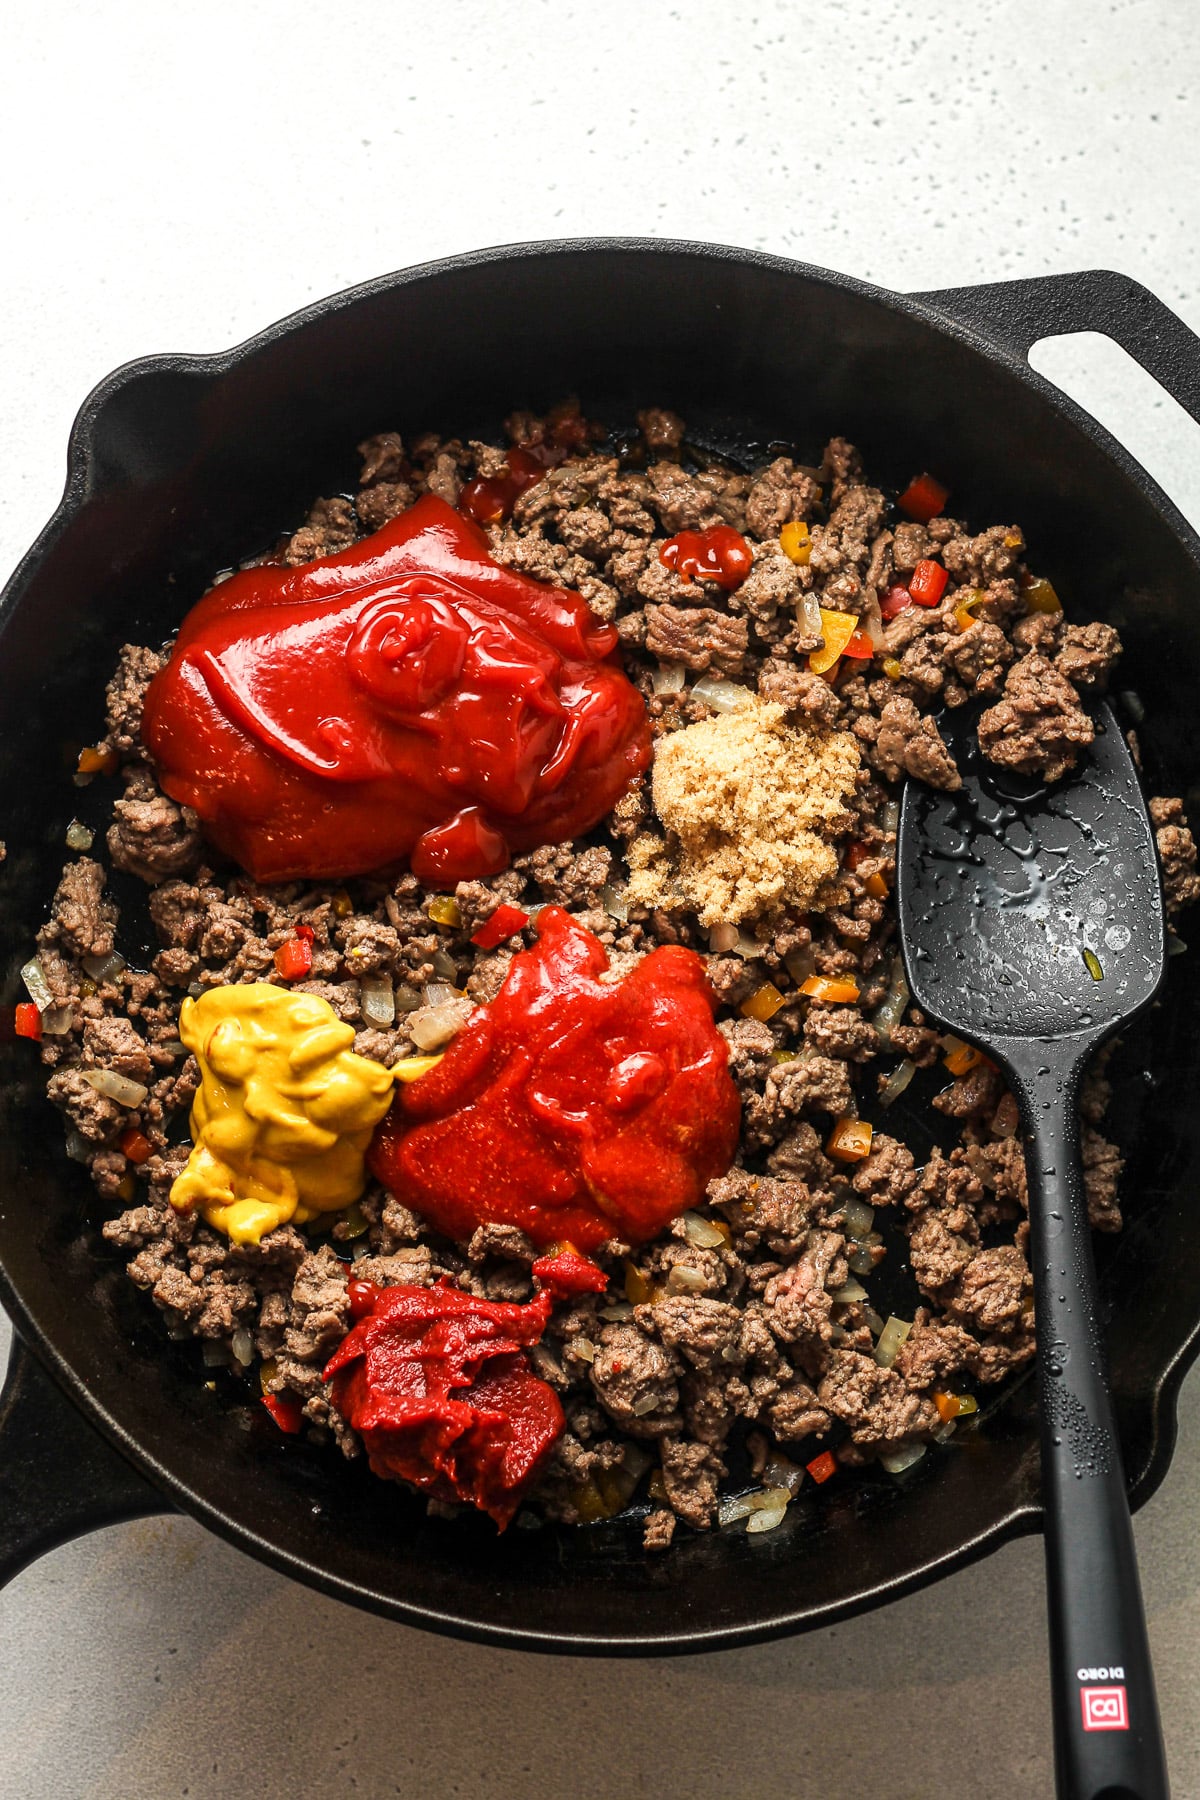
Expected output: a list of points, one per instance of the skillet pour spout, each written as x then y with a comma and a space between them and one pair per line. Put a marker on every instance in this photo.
176, 470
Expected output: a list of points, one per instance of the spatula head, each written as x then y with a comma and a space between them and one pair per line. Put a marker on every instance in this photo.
1027, 910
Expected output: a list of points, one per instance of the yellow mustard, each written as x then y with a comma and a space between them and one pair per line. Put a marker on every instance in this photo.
284, 1112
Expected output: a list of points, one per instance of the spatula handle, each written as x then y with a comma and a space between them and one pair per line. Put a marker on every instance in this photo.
1107, 1737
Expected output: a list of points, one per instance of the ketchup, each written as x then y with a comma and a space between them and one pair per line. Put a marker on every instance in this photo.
719, 554
489, 499
407, 699
438, 1387
575, 1109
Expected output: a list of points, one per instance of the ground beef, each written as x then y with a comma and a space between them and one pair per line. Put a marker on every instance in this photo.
908, 744
728, 1323
1177, 853
700, 638
151, 836
82, 922
1038, 726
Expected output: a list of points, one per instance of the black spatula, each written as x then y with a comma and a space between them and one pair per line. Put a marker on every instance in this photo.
1031, 923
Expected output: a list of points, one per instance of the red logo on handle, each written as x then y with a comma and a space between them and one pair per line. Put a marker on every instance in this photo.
1104, 1709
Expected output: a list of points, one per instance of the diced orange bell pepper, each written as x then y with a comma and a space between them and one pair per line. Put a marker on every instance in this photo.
833, 990
923, 499
763, 1003
837, 628
93, 761
961, 1058
823, 1466
795, 542
135, 1146
964, 617
892, 668
952, 1406
876, 886
850, 1140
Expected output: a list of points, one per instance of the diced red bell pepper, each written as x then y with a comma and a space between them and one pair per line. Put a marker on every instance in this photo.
135, 1146
27, 1022
503, 923
857, 853
823, 1466
860, 645
896, 599
285, 1411
923, 499
928, 583
293, 960
306, 932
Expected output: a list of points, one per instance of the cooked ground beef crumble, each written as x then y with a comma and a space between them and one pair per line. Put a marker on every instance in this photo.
745, 1322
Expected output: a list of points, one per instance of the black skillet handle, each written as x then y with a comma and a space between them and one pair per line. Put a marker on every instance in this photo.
58, 1477
1016, 314
1107, 1738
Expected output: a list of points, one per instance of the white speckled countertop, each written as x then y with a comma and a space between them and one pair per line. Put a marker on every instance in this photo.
178, 177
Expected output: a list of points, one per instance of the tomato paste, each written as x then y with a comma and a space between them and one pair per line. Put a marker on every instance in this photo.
408, 699
576, 1109
438, 1387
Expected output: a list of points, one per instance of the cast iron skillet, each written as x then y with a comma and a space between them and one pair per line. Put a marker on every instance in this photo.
179, 465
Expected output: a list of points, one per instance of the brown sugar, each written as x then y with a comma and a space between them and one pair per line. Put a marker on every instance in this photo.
752, 808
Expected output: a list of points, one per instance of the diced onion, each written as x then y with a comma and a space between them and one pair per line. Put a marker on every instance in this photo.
583, 1348
1133, 705
722, 696
702, 1232
874, 1322
889, 818
377, 1000
242, 1345
889, 1014
800, 963
646, 1403
617, 1313
667, 678
115, 1087
58, 1020
445, 966
872, 623
104, 968
407, 998
635, 1461
898, 1460
438, 993
890, 1339
734, 1507
78, 836
616, 902
859, 1218
861, 1261
722, 938
174, 1046
849, 1290
780, 1473
434, 1026
1175, 945
77, 1146
766, 1518
214, 1356
945, 1430
897, 1081
682, 1280
808, 614
36, 985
